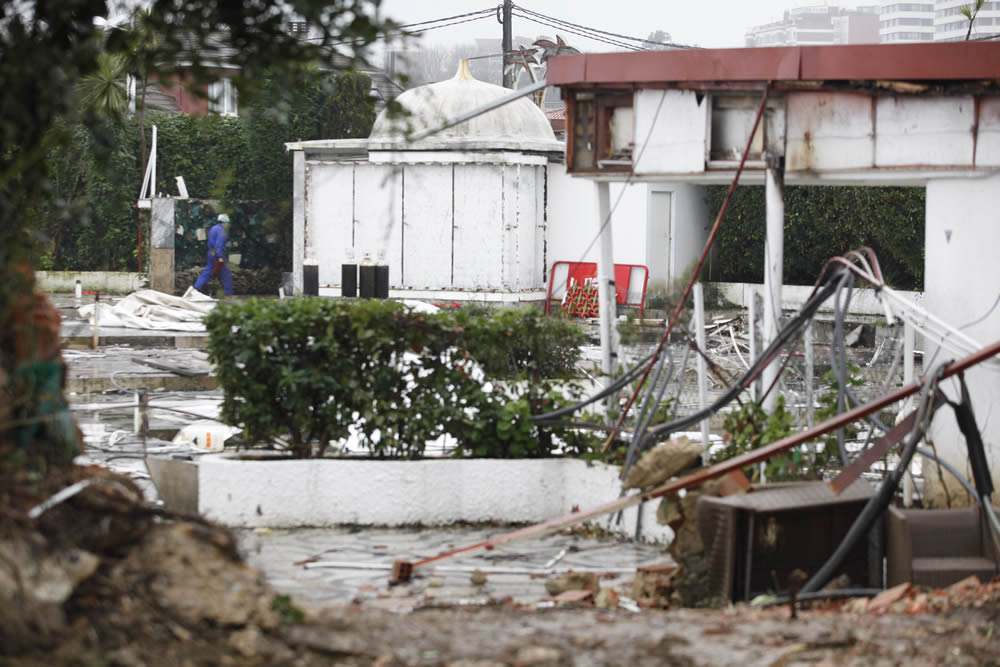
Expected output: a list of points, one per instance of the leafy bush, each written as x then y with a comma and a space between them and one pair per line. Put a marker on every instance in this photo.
307, 371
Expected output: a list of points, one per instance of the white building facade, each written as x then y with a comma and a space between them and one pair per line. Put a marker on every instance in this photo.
904, 22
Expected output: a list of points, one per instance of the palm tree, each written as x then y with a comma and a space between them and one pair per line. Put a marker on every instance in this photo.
105, 90
970, 12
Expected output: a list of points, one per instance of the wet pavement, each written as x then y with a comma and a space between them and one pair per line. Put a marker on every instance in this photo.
125, 367
319, 567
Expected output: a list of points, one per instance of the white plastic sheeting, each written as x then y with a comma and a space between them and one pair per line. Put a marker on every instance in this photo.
152, 310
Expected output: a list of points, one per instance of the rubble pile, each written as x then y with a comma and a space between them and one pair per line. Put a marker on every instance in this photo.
911, 600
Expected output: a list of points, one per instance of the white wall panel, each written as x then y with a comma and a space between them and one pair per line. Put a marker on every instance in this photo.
527, 223
829, 131
675, 123
329, 231
378, 194
924, 131
988, 145
478, 227
427, 224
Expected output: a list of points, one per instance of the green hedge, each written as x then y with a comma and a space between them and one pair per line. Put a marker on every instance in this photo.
821, 222
307, 371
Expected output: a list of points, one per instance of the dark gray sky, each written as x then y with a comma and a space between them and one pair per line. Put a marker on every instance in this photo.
714, 23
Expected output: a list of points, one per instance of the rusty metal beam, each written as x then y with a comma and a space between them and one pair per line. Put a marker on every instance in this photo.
945, 61
403, 569
868, 457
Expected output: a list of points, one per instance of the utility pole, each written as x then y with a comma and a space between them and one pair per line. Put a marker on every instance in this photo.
508, 38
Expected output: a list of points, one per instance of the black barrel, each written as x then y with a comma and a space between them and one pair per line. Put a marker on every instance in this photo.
381, 281
348, 280
310, 280
367, 281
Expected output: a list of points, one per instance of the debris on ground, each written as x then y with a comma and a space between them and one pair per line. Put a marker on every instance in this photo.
172, 590
663, 462
573, 581
653, 586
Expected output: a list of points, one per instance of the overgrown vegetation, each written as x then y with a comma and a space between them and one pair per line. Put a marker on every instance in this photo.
821, 223
90, 220
304, 372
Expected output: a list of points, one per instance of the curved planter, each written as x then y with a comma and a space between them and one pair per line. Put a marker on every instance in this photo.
289, 493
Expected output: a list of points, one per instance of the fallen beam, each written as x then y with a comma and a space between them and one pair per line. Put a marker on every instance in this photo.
403, 570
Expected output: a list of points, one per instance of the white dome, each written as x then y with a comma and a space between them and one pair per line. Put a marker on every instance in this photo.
517, 125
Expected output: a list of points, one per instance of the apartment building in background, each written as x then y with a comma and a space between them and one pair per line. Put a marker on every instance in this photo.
817, 25
951, 26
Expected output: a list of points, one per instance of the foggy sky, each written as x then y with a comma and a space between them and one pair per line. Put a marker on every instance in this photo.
716, 24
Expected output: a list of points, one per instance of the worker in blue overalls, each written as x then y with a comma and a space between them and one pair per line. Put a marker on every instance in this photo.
216, 263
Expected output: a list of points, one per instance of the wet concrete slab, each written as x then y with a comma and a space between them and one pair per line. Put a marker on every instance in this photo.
319, 567
124, 367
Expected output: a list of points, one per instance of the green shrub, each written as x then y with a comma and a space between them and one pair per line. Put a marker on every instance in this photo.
306, 371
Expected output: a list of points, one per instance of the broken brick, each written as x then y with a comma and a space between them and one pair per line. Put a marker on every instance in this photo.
881, 602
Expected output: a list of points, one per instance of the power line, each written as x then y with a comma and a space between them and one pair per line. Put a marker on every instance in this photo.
605, 32
446, 25
475, 16
573, 28
578, 33
487, 11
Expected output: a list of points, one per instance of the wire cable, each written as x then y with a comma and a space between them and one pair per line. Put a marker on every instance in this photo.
609, 34
578, 33
878, 503
805, 314
623, 380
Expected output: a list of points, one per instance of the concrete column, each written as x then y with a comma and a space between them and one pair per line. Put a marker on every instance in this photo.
774, 250
298, 217
606, 283
161, 243
962, 286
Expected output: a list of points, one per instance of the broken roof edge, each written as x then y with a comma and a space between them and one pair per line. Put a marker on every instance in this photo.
342, 147
335, 146
944, 61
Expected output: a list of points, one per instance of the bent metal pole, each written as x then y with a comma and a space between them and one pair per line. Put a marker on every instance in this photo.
403, 569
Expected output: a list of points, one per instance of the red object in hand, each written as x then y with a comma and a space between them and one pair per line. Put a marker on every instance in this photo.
218, 267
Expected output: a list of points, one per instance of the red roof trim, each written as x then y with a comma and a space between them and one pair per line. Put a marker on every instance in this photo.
911, 62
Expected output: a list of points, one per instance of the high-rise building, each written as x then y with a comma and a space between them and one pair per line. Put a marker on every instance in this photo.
906, 22
951, 25
818, 24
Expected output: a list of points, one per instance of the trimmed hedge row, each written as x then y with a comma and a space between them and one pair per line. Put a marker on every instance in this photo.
308, 371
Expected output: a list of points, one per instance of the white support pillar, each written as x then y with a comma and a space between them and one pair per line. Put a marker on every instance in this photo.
606, 283
774, 250
299, 245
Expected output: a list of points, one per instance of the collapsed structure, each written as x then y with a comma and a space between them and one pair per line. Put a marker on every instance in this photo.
913, 114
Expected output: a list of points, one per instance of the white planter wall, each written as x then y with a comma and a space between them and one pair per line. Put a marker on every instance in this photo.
397, 493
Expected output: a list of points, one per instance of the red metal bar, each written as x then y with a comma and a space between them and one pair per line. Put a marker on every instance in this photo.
717, 470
